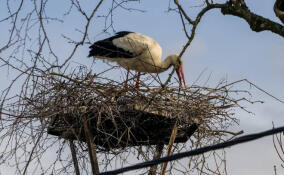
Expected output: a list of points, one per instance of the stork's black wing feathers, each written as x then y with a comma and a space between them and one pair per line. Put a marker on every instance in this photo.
106, 48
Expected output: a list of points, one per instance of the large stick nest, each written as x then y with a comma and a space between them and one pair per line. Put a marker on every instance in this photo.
120, 118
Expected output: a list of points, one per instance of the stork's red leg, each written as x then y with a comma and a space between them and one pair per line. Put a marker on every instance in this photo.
137, 81
125, 83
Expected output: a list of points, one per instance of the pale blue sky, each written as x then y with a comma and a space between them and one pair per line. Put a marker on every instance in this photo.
224, 46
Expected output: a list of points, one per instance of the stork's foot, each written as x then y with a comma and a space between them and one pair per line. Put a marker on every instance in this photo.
125, 85
137, 85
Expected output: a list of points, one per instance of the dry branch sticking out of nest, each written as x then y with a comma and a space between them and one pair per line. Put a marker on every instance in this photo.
120, 118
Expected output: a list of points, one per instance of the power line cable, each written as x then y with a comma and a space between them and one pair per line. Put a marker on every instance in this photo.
238, 140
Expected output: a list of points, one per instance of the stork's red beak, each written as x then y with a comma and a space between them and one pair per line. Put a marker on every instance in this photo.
180, 74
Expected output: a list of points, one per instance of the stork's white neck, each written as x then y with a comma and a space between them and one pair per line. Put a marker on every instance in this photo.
170, 60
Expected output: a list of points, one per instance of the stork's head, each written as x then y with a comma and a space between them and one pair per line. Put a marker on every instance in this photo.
178, 63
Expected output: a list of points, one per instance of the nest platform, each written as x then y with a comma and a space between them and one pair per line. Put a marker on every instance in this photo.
129, 128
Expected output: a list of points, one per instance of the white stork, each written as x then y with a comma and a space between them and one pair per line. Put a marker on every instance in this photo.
138, 52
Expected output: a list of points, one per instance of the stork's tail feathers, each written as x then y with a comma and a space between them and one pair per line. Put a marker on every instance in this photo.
106, 48
92, 52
